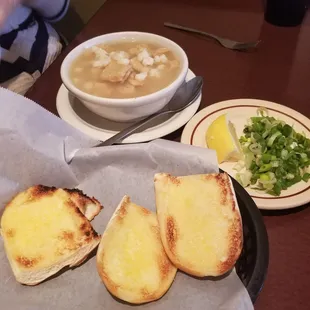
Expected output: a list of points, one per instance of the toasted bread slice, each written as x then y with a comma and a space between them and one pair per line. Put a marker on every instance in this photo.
200, 222
131, 260
43, 231
90, 207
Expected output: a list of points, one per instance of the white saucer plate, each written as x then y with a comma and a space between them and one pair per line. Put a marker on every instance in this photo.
71, 110
239, 111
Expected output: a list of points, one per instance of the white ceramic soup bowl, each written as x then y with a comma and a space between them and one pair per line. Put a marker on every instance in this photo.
126, 110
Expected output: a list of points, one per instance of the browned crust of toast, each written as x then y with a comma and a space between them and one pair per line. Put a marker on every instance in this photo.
85, 228
111, 286
171, 233
35, 192
27, 262
226, 192
235, 247
38, 191
165, 266
122, 211
164, 263
170, 178
83, 200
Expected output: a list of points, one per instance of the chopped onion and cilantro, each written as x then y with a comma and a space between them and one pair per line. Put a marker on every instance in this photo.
275, 155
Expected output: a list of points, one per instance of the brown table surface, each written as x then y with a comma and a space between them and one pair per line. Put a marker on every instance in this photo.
278, 71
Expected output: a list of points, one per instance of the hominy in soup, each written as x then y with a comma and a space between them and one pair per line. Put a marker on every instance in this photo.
124, 70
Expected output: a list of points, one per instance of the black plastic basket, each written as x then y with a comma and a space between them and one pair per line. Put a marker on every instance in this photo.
252, 265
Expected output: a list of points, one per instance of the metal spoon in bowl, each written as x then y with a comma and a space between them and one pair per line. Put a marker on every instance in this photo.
184, 97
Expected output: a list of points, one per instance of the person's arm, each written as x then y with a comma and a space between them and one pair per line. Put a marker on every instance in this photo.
6, 8
51, 10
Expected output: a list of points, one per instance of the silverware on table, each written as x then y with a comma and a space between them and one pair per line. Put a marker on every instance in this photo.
184, 97
234, 45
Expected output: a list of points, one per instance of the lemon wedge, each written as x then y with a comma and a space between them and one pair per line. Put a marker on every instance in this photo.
221, 136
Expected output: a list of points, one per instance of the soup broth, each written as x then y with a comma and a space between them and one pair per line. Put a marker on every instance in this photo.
124, 70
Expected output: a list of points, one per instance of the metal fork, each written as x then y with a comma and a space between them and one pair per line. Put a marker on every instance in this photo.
233, 45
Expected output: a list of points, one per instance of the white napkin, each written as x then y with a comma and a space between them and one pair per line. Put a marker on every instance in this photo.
33, 144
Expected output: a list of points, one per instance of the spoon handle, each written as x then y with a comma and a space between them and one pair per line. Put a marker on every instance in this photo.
130, 130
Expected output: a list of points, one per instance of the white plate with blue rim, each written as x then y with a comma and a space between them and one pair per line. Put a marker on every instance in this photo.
239, 111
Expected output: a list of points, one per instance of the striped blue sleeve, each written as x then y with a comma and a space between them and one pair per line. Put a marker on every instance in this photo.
60, 14
51, 10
